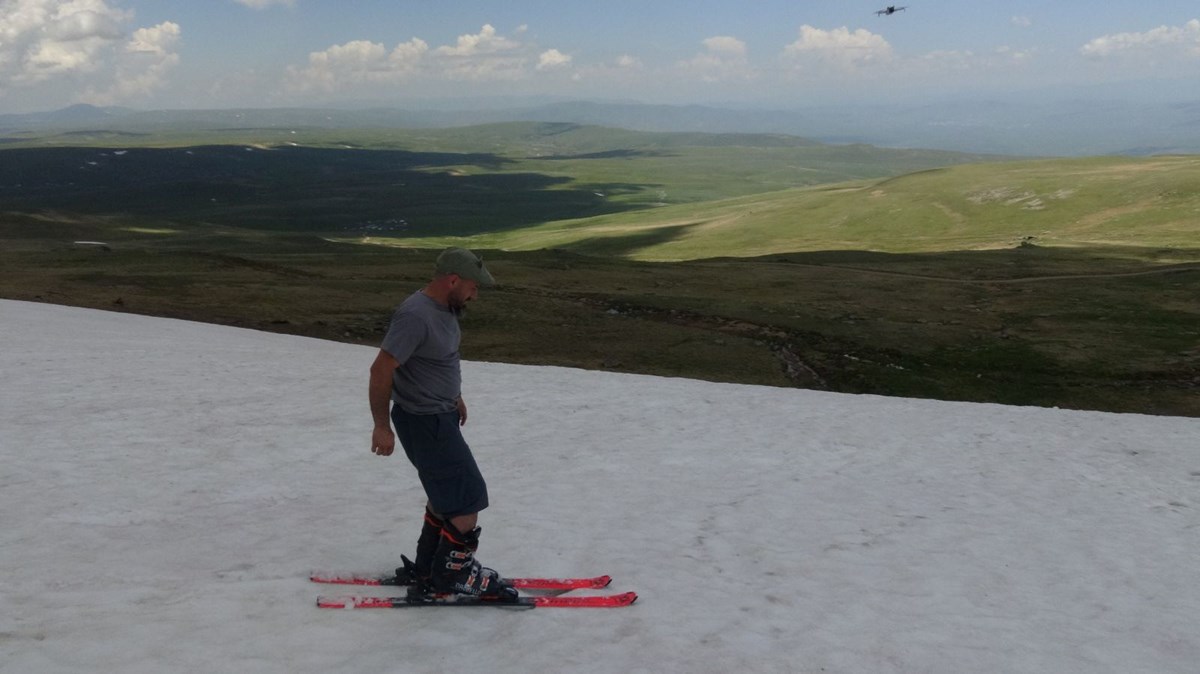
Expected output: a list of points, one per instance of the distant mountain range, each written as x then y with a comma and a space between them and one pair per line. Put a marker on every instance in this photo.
1069, 128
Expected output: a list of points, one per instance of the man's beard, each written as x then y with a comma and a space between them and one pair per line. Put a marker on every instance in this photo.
457, 304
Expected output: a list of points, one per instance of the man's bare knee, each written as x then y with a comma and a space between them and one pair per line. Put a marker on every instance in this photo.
465, 523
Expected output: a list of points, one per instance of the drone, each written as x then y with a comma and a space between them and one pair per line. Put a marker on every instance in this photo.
890, 10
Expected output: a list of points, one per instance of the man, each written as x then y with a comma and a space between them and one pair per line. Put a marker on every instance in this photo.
418, 370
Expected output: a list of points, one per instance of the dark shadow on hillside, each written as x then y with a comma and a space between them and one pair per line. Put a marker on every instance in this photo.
620, 246
359, 192
103, 133
612, 154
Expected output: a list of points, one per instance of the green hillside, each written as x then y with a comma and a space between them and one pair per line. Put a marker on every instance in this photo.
1151, 202
753, 259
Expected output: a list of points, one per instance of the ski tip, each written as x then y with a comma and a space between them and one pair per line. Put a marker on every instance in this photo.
602, 581
590, 601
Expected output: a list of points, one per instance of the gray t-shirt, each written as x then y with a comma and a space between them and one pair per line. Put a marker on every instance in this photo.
424, 337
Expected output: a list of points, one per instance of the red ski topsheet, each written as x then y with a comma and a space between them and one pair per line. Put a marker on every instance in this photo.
601, 601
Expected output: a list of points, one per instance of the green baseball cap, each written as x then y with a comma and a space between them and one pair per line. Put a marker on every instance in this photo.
466, 264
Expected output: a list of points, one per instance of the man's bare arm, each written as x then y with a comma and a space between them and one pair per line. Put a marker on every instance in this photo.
383, 441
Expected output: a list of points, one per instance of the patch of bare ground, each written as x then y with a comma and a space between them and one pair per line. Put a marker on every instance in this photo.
955, 217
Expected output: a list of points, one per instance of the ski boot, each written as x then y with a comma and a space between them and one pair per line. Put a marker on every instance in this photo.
456, 571
420, 573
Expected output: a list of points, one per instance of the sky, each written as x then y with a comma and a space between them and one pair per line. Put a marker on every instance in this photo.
155, 54
162, 514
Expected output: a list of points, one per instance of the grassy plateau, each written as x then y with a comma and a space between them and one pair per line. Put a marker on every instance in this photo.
755, 259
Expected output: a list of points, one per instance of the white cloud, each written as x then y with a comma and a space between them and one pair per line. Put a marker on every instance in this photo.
41, 40
1183, 39
486, 41
263, 4
49, 58
725, 45
628, 62
356, 63
85, 19
356, 55
49, 49
723, 58
407, 56
486, 56
839, 48
553, 58
158, 40
1022, 21
841, 63
143, 66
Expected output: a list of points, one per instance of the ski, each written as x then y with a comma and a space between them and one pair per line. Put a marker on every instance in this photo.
594, 583
458, 600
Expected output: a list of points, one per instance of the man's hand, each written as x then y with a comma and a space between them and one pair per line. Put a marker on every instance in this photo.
462, 411
383, 442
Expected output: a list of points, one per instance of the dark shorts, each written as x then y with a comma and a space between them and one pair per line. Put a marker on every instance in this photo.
435, 446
